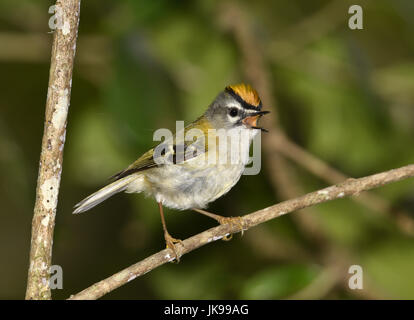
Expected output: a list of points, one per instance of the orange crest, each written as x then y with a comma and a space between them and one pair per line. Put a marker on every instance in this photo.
247, 93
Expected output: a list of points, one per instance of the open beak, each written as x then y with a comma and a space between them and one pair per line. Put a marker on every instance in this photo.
251, 120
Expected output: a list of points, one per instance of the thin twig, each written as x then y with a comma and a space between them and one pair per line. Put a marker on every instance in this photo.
304, 32
234, 18
51, 157
347, 188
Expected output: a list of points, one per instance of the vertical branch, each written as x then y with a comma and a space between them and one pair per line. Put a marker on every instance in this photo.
51, 157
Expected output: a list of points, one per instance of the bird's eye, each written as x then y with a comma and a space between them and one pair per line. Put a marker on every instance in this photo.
233, 112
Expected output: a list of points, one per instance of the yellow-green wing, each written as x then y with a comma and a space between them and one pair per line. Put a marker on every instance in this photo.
175, 151
144, 162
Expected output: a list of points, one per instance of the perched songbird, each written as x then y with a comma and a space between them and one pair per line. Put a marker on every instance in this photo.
181, 173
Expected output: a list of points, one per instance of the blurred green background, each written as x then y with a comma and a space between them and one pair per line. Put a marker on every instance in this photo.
344, 95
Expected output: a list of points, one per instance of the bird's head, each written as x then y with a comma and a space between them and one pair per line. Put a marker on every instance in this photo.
238, 106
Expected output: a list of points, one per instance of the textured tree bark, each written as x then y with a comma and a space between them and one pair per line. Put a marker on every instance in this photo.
51, 157
349, 187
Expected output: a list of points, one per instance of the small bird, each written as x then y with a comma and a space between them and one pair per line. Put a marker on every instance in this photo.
183, 174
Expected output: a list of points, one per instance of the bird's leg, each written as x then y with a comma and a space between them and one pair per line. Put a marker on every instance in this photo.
169, 240
238, 221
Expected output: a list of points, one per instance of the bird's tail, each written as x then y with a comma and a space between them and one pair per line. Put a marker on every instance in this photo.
103, 194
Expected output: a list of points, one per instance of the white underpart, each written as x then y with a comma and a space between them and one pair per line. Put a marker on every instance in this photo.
194, 183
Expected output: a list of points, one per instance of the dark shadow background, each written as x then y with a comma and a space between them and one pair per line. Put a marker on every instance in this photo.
344, 95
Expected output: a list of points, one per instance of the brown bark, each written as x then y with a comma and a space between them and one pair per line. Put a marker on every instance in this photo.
51, 157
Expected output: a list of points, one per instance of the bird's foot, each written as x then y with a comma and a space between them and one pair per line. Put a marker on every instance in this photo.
233, 221
170, 244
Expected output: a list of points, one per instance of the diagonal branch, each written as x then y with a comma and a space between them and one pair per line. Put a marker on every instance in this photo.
282, 144
347, 188
51, 157
278, 148
276, 144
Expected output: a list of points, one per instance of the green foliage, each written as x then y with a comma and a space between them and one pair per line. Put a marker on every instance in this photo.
388, 265
279, 282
